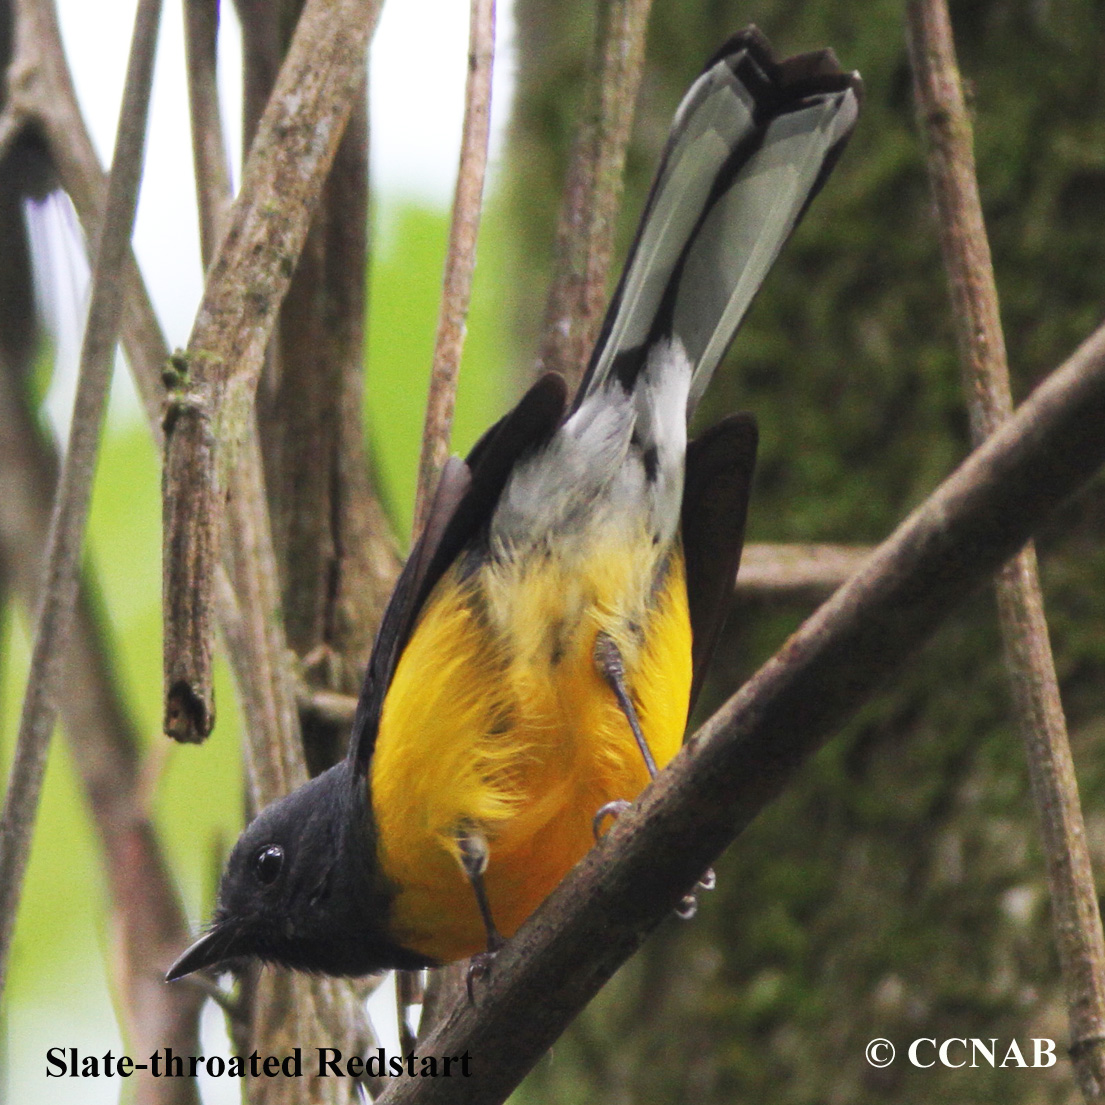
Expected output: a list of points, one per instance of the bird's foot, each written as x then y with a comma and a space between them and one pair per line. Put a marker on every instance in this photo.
479, 966
688, 906
612, 809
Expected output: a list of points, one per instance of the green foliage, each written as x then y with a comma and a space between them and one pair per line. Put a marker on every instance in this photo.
404, 296
62, 940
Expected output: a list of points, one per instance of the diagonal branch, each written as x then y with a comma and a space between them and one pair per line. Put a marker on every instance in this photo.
751, 748
213, 403
460, 260
67, 527
1028, 657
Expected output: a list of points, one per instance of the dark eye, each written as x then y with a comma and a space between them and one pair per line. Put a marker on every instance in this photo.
268, 863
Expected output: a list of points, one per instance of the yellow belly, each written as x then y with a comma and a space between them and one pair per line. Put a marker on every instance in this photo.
497, 719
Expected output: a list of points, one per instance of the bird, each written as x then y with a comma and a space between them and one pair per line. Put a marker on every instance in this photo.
537, 662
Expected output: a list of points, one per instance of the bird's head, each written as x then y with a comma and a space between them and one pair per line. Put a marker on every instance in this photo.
302, 888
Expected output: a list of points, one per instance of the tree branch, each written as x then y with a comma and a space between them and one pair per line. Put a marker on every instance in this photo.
213, 403
330, 560
751, 748
1028, 657
460, 260
67, 527
797, 573
213, 192
589, 209
460, 263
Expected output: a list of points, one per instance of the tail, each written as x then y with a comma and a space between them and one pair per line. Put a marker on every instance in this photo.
752, 143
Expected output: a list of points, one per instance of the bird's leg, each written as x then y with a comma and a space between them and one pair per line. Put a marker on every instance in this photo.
474, 853
608, 660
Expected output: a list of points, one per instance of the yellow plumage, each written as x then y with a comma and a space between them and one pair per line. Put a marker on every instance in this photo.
498, 720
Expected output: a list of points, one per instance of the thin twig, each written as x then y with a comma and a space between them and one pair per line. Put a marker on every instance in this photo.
213, 405
1027, 648
460, 261
274, 751
750, 750
588, 213
213, 192
328, 707
797, 573
75, 485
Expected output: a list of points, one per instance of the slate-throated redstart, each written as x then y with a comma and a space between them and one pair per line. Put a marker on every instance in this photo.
549, 632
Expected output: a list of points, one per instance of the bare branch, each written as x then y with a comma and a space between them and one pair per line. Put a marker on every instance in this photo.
213, 409
751, 748
328, 707
264, 666
588, 213
460, 261
797, 573
338, 561
1028, 657
66, 539
201, 26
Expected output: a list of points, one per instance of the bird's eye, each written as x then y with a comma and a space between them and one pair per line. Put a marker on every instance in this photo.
268, 863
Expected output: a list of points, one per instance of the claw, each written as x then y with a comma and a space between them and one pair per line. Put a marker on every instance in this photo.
612, 809
479, 966
688, 905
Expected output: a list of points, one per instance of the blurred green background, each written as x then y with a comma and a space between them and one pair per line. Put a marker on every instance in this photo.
897, 889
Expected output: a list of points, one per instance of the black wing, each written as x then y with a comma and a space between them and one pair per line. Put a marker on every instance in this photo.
466, 496
715, 503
